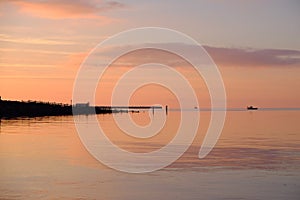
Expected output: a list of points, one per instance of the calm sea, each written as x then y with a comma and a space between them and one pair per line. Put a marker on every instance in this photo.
257, 157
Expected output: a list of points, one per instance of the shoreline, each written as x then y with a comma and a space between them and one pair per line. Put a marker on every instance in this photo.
14, 109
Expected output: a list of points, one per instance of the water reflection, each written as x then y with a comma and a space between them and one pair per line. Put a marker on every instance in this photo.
44, 158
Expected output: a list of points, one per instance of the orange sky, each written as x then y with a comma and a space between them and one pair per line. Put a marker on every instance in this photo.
42, 45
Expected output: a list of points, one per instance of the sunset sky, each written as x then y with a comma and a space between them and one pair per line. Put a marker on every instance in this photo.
254, 43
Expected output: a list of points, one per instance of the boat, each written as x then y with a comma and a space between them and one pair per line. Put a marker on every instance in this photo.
251, 108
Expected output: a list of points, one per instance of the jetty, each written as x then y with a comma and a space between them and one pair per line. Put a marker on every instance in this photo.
13, 109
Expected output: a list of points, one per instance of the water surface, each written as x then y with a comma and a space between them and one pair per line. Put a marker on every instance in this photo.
256, 157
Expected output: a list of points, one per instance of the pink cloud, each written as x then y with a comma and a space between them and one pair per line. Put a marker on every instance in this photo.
254, 57
65, 9
236, 57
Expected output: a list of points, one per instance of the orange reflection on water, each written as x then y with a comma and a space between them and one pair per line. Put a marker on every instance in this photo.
43, 157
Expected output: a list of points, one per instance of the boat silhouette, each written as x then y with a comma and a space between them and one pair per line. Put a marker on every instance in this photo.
251, 108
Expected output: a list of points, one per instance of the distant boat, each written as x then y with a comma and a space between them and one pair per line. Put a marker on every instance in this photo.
251, 108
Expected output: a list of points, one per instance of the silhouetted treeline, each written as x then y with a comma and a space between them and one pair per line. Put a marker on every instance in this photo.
12, 109
9, 109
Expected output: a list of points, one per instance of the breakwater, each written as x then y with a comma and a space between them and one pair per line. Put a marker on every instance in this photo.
12, 109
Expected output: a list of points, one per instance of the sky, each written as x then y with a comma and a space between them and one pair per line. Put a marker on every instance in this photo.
255, 45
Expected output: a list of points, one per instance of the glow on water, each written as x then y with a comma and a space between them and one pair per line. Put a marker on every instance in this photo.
256, 157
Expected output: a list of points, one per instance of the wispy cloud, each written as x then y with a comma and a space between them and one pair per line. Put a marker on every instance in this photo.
235, 57
65, 9
254, 57
28, 40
